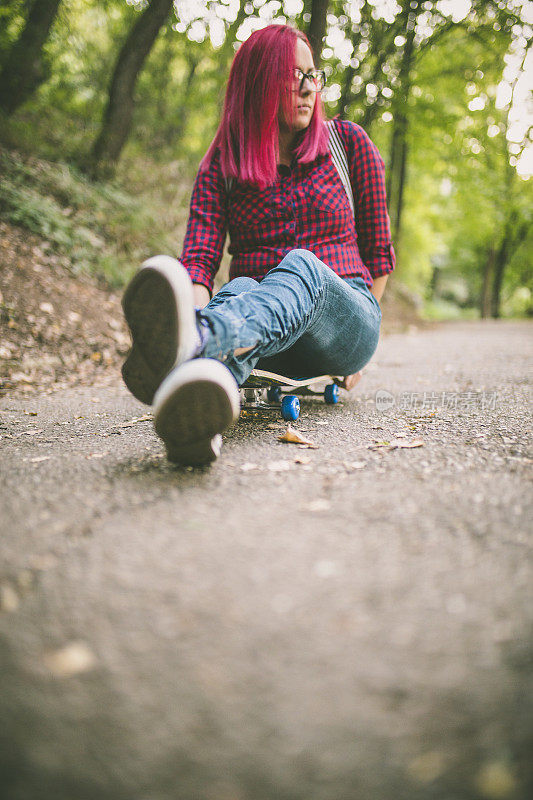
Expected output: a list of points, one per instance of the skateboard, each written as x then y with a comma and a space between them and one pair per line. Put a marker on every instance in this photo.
266, 390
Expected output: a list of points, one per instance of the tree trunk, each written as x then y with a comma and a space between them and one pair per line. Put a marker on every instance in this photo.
486, 300
117, 119
502, 257
162, 76
402, 171
349, 73
398, 150
397, 172
346, 95
184, 107
317, 27
26, 68
513, 235
381, 38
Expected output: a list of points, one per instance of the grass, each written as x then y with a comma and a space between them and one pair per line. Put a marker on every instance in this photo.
105, 230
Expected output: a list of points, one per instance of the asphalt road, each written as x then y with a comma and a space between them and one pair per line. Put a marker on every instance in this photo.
356, 626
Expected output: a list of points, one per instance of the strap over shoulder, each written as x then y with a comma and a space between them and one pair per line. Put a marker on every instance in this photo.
338, 156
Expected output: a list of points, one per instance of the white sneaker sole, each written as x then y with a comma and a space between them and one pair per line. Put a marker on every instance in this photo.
158, 306
193, 405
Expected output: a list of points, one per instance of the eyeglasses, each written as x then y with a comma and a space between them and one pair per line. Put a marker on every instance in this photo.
317, 79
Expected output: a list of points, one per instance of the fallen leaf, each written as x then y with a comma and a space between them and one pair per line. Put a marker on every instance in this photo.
135, 420
279, 466
95, 455
9, 600
396, 444
495, 781
302, 460
43, 562
354, 464
319, 505
325, 569
21, 377
412, 443
292, 436
74, 658
246, 467
426, 767
38, 459
25, 579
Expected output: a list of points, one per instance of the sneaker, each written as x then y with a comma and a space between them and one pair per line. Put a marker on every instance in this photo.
193, 405
159, 308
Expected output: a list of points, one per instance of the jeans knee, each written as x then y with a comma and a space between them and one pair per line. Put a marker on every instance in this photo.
238, 286
309, 268
301, 260
243, 284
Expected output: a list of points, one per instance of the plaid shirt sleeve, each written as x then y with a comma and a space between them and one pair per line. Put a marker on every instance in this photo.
367, 173
206, 229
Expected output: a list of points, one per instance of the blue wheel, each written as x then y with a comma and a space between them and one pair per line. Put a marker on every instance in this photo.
274, 394
331, 394
290, 407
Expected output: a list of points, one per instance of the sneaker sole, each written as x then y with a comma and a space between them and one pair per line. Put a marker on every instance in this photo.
194, 405
159, 308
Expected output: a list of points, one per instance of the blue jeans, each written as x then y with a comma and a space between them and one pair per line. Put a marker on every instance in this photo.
301, 320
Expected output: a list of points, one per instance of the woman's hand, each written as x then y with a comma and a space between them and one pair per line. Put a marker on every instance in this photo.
349, 381
201, 295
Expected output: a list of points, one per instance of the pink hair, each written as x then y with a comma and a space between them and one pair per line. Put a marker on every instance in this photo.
258, 86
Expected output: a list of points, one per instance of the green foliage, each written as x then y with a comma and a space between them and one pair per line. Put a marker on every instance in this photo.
103, 230
461, 196
12, 17
63, 117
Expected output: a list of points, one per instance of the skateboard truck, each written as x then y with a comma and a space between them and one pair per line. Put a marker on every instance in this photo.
279, 389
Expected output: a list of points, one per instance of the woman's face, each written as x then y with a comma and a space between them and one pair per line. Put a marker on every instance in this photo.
303, 98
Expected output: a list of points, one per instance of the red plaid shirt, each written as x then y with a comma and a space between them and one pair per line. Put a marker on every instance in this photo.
307, 208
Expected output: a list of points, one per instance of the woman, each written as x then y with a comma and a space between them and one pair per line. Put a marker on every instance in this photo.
298, 301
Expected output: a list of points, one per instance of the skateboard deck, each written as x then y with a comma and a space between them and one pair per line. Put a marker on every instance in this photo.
262, 379
282, 392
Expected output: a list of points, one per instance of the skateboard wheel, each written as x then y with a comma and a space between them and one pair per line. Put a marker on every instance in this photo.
331, 394
274, 394
290, 407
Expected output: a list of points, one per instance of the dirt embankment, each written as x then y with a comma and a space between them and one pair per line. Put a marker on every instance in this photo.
57, 328
60, 329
